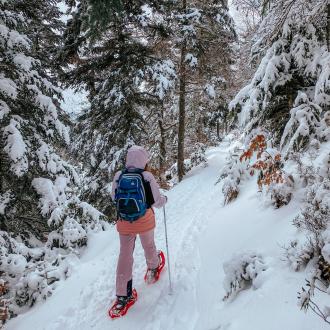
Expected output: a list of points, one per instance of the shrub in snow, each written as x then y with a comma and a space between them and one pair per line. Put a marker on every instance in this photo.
230, 189
231, 175
297, 255
308, 295
30, 274
267, 162
315, 216
243, 271
37, 281
71, 234
324, 257
325, 251
68, 217
281, 193
315, 220
74, 224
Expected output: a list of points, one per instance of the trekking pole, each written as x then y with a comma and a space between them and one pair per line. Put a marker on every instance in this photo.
167, 252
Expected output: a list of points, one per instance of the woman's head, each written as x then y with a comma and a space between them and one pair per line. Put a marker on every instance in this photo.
137, 157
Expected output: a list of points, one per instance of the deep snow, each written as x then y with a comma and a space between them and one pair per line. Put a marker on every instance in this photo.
202, 236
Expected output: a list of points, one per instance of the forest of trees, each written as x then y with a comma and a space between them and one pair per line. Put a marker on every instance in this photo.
173, 76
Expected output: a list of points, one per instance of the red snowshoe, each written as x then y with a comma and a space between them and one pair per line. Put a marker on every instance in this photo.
152, 275
122, 305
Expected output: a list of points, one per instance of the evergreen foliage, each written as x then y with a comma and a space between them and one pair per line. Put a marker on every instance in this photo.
39, 200
31, 125
119, 65
295, 60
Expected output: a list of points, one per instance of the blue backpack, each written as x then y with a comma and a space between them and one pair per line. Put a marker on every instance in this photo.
130, 195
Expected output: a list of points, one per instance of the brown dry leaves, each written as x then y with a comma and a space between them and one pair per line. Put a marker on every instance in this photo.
269, 168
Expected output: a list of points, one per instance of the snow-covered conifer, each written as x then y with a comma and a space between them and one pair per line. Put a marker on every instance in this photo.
31, 125
116, 57
38, 184
303, 124
292, 41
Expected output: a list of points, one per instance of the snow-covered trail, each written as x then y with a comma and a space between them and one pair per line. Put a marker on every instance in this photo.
202, 235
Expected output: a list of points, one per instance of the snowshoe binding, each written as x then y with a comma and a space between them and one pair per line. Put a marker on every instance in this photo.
122, 305
152, 275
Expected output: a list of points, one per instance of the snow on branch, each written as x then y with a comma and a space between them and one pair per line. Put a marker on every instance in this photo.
16, 148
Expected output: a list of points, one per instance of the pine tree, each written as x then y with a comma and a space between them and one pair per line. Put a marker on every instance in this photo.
291, 39
37, 182
38, 185
118, 62
203, 35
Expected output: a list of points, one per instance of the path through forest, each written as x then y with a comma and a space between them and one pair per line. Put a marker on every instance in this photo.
202, 235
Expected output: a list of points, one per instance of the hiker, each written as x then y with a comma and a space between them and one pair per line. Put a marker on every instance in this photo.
130, 224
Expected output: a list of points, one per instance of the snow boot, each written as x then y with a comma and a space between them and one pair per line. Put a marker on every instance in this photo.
122, 305
152, 275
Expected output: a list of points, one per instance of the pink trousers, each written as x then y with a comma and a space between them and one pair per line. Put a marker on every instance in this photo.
125, 261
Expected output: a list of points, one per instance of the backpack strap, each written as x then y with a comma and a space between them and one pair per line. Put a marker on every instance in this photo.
133, 170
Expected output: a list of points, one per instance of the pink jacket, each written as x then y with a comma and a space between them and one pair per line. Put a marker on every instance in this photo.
137, 157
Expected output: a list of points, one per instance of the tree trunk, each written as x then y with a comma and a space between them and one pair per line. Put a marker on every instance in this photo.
218, 130
182, 111
200, 129
182, 105
328, 27
226, 123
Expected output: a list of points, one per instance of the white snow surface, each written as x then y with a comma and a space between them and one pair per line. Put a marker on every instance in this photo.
203, 236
